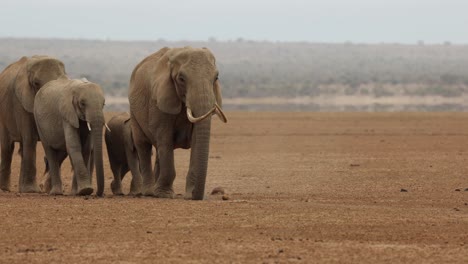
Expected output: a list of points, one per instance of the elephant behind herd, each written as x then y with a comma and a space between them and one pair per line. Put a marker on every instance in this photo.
19, 83
173, 94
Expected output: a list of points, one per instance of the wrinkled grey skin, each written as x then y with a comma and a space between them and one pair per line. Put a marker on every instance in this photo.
122, 154
162, 87
63, 109
19, 83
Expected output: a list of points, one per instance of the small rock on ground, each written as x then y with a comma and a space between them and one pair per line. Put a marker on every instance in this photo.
218, 190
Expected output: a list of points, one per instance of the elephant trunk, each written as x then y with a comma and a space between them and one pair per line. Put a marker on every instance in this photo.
202, 104
199, 157
96, 134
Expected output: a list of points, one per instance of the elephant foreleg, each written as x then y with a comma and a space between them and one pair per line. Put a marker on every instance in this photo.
28, 182
29, 138
74, 149
166, 172
7, 149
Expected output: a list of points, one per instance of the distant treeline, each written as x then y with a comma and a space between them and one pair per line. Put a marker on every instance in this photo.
265, 69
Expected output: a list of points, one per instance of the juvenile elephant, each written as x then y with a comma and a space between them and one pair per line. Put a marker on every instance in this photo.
69, 120
19, 83
122, 154
167, 90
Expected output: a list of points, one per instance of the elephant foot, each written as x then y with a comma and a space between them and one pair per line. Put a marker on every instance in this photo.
85, 191
135, 188
189, 191
135, 193
188, 196
148, 192
30, 188
56, 191
5, 185
116, 190
164, 193
73, 190
46, 186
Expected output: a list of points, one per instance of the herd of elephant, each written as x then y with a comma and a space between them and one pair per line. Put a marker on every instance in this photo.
173, 93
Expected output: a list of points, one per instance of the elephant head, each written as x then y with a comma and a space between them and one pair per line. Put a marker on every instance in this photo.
84, 106
37, 71
188, 76
188, 80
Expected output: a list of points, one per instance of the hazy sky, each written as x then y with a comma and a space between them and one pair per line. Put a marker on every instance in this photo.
370, 21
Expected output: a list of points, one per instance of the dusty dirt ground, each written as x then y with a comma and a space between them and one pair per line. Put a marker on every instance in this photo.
303, 187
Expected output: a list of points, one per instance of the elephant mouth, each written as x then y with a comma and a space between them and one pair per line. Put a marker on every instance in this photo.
216, 109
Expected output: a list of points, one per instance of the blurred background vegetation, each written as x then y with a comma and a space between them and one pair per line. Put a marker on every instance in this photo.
273, 69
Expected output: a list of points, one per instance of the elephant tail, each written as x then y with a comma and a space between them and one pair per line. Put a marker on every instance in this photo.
46, 163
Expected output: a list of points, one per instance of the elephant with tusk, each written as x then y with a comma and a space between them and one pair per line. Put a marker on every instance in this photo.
173, 94
70, 119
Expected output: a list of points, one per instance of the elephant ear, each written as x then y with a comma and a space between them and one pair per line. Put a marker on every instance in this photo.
67, 107
24, 89
164, 90
216, 86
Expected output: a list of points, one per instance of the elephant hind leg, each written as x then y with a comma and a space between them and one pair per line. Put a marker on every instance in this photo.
137, 181
143, 148
7, 149
47, 185
116, 184
53, 158
156, 169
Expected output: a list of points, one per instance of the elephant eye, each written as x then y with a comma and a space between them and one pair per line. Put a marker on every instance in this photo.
181, 78
82, 103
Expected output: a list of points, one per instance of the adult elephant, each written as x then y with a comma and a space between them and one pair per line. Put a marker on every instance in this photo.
122, 154
19, 83
69, 117
172, 95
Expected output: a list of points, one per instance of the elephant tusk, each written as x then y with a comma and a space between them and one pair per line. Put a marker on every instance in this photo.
107, 127
198, 119
220, 113
89, 126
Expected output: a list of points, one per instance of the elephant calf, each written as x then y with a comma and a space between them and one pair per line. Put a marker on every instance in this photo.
122, 154
69, 120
